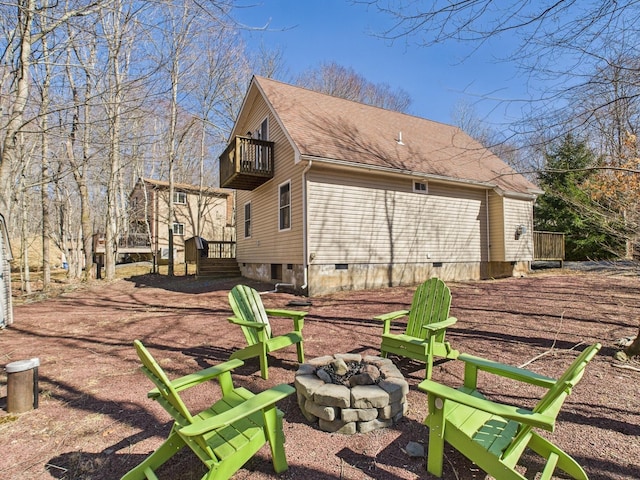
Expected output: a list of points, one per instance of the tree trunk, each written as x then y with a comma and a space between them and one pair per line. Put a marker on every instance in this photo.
8, 153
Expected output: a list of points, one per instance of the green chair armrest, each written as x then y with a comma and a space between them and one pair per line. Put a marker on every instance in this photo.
242, 323
258, 402
296, 315
442, 325
510, 412
285, 313
507, 371
385, 317
193, 379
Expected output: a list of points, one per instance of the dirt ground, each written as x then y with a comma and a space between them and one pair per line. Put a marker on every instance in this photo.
94, 420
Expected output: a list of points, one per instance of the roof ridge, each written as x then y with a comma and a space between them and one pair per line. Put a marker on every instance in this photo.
368, 105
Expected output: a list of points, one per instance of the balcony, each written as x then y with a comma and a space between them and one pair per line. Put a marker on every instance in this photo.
246, 164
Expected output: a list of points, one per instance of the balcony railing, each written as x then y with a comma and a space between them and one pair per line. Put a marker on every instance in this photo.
246, 164
134, 242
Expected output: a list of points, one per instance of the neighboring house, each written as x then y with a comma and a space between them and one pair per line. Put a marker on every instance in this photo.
336, 195
198, 212
6, 310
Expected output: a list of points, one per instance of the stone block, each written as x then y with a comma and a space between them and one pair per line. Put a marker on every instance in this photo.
365, 427
301, 399
397, 388
377, 361
320, 411
321, 361
390, 371
308, 384
324, 375
340, 366
311, 418
359, 414
392, 410
338, 426
332, 395
349, 357
368, 396
306, 369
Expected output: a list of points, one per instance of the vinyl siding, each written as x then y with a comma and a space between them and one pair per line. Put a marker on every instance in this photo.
378, 219
496, 228
267, 244
518, 212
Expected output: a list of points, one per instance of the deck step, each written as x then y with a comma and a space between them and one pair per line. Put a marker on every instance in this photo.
218, 268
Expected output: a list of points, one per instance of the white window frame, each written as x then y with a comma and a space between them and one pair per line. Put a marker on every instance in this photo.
418, 187
282, 208
179, 198
247, 221
178, 229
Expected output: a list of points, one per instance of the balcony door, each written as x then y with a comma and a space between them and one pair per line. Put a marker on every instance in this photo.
262, 133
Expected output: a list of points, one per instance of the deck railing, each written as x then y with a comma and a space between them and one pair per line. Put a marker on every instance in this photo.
246, 163
221, 249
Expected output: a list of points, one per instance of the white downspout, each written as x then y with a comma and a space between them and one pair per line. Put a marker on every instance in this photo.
305, 243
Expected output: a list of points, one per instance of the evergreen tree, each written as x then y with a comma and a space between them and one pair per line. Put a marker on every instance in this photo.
567, 206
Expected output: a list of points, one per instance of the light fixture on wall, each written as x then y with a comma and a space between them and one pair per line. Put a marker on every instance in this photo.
520, 230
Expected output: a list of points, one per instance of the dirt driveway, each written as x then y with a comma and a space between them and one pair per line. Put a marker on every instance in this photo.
95, 422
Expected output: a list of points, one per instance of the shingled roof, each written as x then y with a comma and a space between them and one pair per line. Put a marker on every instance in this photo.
336, 130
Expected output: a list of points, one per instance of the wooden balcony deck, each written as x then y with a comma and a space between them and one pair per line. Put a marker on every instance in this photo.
246, 163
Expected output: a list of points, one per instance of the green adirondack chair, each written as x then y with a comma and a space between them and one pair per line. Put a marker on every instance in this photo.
495, 435
253, 318
427, 323
224, 436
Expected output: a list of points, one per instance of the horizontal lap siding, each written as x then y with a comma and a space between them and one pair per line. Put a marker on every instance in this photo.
496, 228
518, 212
267, 244
353, 220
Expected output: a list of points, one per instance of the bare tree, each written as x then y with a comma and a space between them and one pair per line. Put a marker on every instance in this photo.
560, 44
343, 82
20, 38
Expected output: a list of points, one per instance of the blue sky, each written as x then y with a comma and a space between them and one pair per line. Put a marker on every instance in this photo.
310, 32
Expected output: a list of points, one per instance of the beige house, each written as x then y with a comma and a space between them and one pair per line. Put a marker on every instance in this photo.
336, 195
198, 212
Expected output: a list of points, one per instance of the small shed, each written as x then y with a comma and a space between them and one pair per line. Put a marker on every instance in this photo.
6, 310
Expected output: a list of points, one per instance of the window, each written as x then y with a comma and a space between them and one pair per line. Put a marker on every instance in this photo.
284, 203
247, 220
180, 197
178, 228
420, 187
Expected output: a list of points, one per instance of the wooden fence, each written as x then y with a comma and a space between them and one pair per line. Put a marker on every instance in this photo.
548, 246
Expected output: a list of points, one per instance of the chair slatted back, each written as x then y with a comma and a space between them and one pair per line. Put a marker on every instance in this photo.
552, 401
170, 399
431, 303
168, 396
247, 305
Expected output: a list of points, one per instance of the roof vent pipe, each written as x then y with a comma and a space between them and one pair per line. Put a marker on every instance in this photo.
399, 140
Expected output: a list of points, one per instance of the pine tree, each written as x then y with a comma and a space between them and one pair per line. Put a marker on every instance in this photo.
567, 205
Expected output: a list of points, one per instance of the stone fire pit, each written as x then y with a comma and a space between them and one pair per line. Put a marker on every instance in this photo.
349, 393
